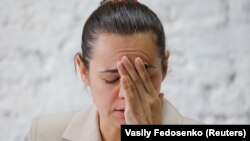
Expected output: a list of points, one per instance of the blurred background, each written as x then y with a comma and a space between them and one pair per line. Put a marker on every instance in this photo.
209, 66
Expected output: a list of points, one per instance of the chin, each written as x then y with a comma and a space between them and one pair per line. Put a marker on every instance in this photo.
119, 122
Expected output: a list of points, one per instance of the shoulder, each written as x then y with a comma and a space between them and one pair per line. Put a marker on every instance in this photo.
190, 121
57, 118
172, 116
54, 121
51, 127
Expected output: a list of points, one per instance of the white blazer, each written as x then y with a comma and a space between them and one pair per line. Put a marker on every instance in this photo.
83, 125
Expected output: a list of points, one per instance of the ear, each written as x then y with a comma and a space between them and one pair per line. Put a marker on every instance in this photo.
165, 64
83, 70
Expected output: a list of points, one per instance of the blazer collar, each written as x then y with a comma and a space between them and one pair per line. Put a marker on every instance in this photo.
170, 114
84, 124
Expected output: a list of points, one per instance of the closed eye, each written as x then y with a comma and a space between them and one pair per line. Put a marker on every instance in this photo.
111, 81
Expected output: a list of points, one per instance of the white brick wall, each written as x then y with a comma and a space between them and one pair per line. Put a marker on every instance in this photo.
208, 78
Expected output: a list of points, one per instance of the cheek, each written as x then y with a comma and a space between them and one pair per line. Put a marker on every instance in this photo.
103, 95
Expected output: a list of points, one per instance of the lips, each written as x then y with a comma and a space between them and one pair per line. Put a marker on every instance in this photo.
120, 109
120, 112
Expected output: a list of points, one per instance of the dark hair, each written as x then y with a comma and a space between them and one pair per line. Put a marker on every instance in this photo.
122, 18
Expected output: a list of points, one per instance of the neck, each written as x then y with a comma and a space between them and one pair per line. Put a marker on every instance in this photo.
108, 131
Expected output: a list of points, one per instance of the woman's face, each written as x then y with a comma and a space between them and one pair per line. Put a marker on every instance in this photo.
103, 76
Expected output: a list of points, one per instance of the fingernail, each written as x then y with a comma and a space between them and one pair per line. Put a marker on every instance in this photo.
139, 60
124, 58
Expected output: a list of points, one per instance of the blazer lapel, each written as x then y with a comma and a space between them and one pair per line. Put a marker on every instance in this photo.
83, 126
170, 114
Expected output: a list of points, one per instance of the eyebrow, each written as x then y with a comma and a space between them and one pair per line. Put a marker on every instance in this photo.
147, 66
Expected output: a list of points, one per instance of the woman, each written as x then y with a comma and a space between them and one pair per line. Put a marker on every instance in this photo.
124, 62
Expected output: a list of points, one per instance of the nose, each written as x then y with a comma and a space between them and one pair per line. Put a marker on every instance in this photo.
120, 93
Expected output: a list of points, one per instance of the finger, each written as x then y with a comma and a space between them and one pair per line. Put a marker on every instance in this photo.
123, 90
143, 73
121, 69
126, 84
128, 99
131, 98
134, 77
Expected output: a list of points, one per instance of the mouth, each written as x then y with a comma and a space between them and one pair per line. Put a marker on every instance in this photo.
120, 112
